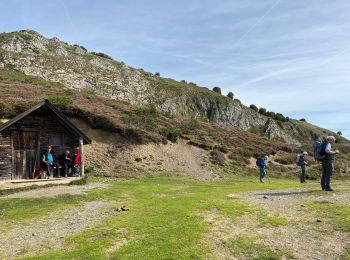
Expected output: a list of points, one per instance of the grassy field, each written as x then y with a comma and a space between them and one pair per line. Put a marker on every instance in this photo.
168, 219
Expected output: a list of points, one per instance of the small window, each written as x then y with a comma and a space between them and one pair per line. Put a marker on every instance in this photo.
55, 140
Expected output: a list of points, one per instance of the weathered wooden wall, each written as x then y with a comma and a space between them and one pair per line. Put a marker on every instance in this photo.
45, 124
5, 156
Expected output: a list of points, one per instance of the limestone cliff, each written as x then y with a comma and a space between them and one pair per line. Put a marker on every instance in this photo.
74, 67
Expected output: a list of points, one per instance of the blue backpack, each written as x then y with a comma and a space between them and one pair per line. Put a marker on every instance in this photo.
259, 161
319, 150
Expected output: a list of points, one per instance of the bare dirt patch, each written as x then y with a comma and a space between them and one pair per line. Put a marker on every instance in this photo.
304, 235
48, 233
179, 158
56, 190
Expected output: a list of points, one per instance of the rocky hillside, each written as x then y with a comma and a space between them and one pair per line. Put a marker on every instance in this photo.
72, 66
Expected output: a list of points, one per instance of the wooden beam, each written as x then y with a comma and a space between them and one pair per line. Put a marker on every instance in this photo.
81, 146
5, 145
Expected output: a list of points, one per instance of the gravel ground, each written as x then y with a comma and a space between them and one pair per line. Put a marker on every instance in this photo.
55, 191
48, 233
306, 236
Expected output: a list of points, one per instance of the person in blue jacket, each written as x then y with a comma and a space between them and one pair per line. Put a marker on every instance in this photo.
262, 167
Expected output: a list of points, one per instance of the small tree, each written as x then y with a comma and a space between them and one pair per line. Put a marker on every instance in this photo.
254, 107
339, 133
217, 90
230, 95
262, 111
157, 74
302, 120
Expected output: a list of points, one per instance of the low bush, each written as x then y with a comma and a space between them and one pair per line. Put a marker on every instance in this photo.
61, 100
172, 134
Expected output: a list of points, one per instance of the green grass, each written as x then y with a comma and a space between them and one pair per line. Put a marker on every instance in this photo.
247, 247
267, 220
166, 218
11, 75
336, 214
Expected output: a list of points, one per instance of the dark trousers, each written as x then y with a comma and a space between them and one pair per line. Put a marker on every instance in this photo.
327, 172
68, 167
303, 173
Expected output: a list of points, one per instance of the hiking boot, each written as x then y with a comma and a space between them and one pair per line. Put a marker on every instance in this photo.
329, 189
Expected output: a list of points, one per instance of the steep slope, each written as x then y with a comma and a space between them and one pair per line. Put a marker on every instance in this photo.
76, 68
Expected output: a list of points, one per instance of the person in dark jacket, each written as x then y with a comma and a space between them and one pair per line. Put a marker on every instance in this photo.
303, 165
66, 161
327, 163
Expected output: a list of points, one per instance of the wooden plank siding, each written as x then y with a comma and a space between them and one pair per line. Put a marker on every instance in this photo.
47, 127
5, 156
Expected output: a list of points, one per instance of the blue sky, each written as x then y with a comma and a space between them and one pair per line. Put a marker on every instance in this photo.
287, 56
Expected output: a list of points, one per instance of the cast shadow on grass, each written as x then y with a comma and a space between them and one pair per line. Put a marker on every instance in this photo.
287, 193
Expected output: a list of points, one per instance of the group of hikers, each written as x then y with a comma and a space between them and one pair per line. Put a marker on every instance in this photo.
67, 164
323, 152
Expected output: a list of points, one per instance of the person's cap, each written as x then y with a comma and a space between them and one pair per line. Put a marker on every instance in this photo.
330, 138
304, 153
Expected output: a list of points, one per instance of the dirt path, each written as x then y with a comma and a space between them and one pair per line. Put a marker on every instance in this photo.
49, 232
55, 191
305, 236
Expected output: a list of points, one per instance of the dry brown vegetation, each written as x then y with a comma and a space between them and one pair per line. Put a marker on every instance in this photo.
144, 124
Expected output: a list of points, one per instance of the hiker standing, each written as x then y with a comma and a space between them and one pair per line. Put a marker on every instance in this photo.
327, 162
302, 163
261, 163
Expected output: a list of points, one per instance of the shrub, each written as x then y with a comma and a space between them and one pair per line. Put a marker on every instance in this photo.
230, 95
238, 101
103, 55
280, 117
61, 100
223, 149
147, 110
302, 120
172, 134
217, 157
143, 116
262, 111
190, 126
254, 107
89, 91
157, 74
217, 90
339, 133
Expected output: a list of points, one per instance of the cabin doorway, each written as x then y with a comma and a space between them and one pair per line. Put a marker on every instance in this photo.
26, 153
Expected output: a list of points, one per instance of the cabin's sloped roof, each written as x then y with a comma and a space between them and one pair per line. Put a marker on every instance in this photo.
59, 115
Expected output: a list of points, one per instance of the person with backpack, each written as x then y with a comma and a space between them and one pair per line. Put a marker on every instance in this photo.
328, 156
261, 162
302, 163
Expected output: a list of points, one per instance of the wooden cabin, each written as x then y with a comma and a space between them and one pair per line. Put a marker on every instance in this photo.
24, 138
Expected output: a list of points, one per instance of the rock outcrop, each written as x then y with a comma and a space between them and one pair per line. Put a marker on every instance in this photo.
73, 66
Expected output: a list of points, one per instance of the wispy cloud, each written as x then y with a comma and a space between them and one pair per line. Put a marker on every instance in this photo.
278, 54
